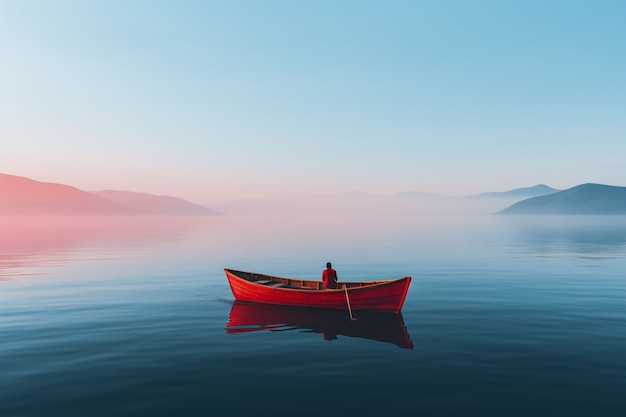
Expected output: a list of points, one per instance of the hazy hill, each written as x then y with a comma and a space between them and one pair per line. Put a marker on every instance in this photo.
585, 199
363, 203
342, 204
154, 204
23, 196
526, 192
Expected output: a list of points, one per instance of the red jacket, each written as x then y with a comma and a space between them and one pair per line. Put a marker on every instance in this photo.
329, 278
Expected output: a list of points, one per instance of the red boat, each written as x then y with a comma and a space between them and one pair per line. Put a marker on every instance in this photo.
386, 295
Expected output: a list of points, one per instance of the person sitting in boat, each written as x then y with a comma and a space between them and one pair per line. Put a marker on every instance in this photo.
329, 277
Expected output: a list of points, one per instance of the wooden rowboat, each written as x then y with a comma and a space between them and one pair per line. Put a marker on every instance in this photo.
386, 295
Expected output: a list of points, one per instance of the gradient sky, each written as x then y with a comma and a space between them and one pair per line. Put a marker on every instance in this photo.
213, 101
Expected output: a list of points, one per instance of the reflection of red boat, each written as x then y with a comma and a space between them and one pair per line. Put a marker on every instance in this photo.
385, 295
250, 317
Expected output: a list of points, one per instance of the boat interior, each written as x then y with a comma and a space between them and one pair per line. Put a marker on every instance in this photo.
295, 283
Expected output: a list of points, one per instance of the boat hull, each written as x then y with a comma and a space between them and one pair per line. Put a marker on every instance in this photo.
386, 296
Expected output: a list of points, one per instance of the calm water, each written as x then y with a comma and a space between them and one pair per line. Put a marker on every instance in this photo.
133, 316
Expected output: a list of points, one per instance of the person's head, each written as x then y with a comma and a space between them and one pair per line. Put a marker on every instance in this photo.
329, 265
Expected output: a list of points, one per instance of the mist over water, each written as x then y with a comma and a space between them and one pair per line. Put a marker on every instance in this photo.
130, 316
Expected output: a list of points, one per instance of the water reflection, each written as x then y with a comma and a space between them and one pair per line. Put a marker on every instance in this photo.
40, 241
584, 235
383, 327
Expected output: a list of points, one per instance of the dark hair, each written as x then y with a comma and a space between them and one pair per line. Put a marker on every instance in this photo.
328, 265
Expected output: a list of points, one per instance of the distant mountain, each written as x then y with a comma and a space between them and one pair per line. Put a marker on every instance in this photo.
356, 203
527, 192
584, 199
369, 204
154, 204
417, 194
23, 196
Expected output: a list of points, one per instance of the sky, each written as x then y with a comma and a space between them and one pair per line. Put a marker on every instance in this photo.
220, 100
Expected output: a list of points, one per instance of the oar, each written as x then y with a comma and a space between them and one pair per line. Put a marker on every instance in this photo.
345, 287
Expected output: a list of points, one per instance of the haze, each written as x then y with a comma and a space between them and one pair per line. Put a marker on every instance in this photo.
217, 101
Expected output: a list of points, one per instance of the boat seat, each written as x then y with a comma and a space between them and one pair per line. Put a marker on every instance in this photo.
277, 284
262, 281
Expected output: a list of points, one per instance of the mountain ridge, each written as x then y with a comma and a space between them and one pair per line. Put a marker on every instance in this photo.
583, 199
533, 191
367, 203
25, 196
154, 204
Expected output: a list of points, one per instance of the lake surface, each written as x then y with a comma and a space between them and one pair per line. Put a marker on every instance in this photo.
505, 316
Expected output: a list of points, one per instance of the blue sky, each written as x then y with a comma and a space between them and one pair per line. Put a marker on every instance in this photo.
213, 101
